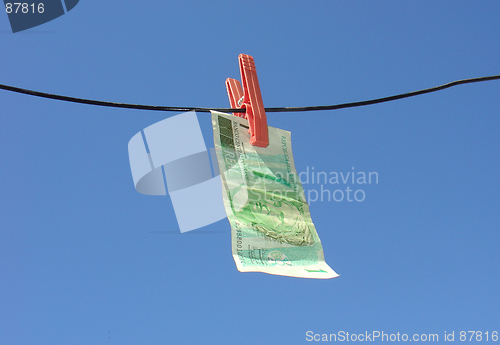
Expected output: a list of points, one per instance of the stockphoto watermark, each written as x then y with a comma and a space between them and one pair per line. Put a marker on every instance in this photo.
381, 336
24, 15
170, 157
332, 186
336, 186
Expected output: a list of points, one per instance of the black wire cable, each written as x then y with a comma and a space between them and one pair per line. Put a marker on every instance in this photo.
230, 110
112, 104
384, 99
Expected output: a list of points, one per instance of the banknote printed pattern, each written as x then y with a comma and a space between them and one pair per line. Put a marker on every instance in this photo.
271, 227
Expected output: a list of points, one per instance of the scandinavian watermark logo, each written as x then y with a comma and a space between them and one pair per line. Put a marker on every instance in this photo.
173, 150
26, 15
336, 186
171, 155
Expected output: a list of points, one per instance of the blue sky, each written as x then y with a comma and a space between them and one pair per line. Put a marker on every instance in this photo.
85, 259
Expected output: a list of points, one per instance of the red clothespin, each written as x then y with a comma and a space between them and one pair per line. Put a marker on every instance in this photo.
250, 99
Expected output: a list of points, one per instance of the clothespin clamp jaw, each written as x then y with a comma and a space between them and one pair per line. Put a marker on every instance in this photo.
250, 99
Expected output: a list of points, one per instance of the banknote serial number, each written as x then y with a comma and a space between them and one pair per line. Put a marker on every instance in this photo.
24, 7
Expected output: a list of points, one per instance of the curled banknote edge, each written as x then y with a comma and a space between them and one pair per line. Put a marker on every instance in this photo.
271, 227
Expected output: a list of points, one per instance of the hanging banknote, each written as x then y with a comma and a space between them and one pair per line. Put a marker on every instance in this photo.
271, 227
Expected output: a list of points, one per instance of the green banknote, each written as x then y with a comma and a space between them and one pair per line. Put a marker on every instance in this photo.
271, 227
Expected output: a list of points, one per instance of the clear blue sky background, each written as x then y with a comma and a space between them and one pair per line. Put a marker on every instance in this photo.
85, 259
